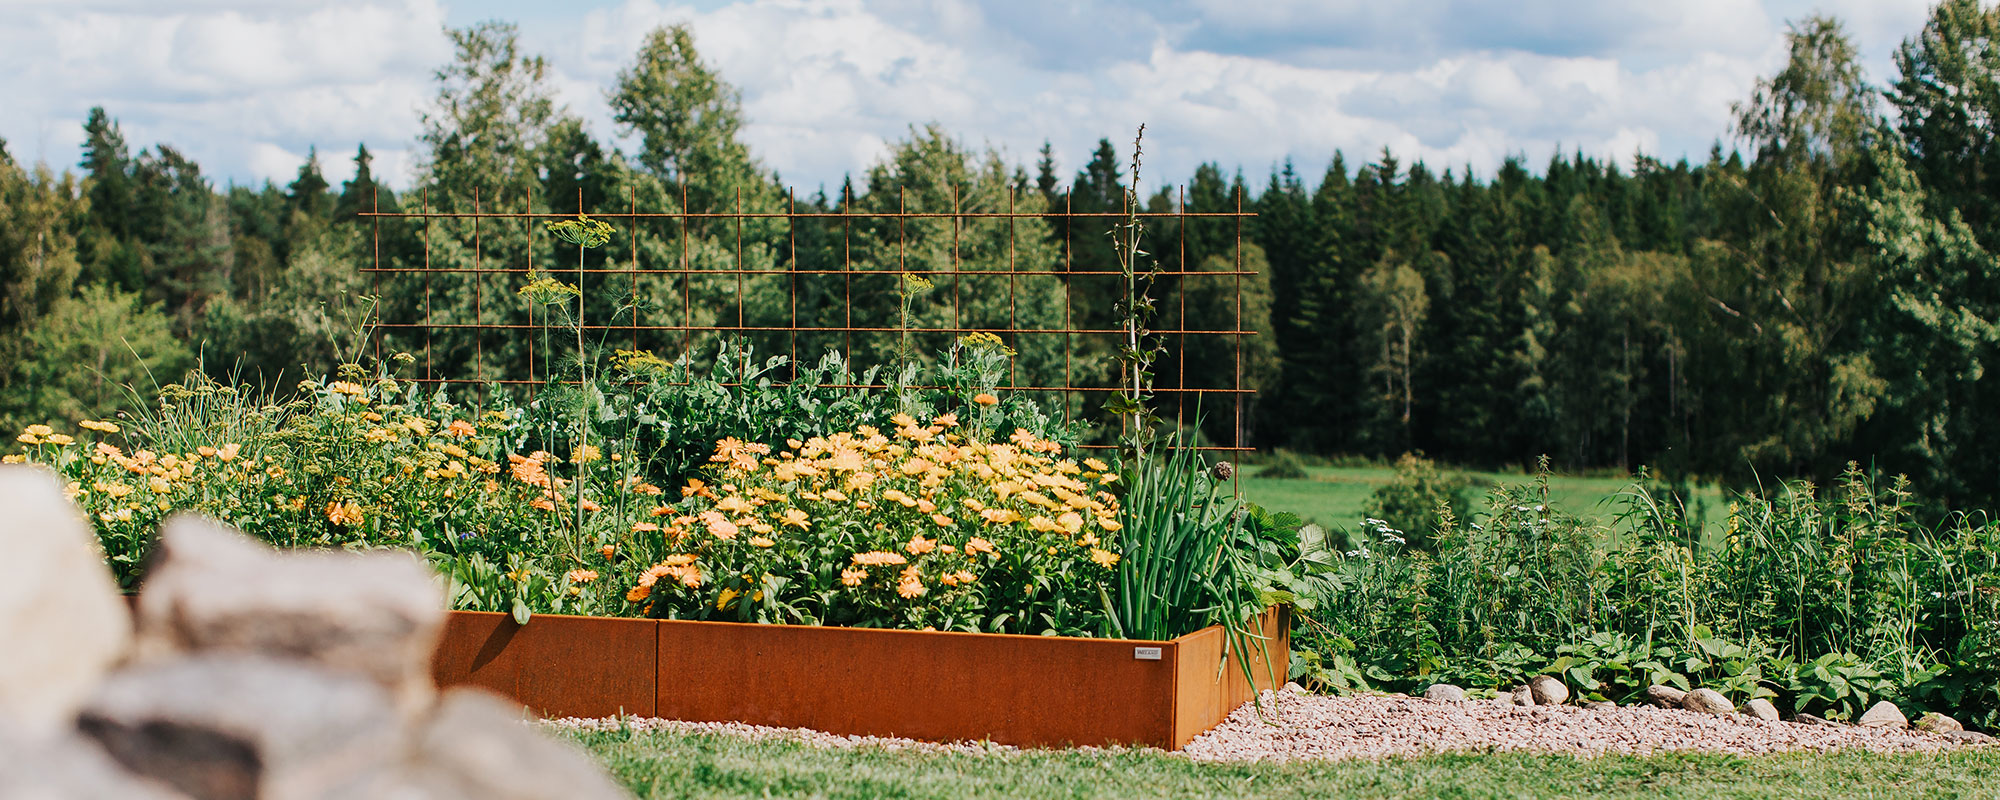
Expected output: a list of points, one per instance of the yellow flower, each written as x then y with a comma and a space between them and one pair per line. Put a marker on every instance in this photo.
13, 458
1096, 465
585, 454
229, 451
345, 387
941, 520
28, 438
1110, 524
101, 426
985, 399
40, 430
1071, 522
722, 600
1041, 524
733, 505
60, 439
1104, 558
835, 495
159, 485
794, 518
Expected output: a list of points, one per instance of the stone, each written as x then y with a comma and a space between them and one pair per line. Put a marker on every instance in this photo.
1445, 692
1970, 737
63, 624
1761, 708
235, 726
1933, 722
1665, 696
1600, 705
67, 766
1523, 696
210, 589
1292, 687
1548, 691
1708, 701
479, 745
1808, 719
1883, 714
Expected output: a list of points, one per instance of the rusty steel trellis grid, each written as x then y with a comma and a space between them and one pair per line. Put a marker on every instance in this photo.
418, 274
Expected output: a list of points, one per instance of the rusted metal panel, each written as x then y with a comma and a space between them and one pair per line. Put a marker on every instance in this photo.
1031, 691
1209, 684
559, 666
1020, 690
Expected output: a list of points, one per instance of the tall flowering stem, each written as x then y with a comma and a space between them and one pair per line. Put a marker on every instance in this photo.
1135, 311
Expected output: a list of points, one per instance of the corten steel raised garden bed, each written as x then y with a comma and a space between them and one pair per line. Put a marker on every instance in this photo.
1019, 690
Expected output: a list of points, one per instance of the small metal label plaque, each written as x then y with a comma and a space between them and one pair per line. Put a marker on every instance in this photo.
1145, 654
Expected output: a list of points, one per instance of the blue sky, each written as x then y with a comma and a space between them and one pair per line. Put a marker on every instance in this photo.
246, 86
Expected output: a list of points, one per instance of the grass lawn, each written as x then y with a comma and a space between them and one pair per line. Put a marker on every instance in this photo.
661, 765
1334, 496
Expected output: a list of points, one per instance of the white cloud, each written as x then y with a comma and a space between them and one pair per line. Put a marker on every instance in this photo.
243, 86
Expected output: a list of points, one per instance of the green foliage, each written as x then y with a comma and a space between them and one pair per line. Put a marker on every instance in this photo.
1408, 506
1284, 465
1826, 604
82, 353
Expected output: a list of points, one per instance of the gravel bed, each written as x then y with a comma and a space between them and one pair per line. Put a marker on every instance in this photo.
1376, 726
1373, 726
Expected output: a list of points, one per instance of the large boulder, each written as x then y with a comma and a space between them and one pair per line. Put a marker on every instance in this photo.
240, 726
1761, 708
1523, 696
62, 622
67, 767
477, 745
210, 589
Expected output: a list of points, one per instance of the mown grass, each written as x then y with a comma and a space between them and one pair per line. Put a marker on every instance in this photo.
1335, 496
656, 764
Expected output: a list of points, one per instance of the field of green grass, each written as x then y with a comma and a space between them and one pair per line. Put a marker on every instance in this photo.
655, 764
1334, 497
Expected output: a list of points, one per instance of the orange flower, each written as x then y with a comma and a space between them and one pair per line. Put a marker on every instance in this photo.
608, 550
638, 593
879, 558
641, 527
580, 575
985, 399
853, 576
911, 585
975, 545
695, 486
343, 513
918, 545
460, 429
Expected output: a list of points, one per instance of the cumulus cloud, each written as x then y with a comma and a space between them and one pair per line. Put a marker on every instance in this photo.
246, 86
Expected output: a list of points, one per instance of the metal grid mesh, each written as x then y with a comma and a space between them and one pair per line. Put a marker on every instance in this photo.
412, 285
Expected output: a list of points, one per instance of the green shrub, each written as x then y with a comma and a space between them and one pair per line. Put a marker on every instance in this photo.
1409, 503
1284, 465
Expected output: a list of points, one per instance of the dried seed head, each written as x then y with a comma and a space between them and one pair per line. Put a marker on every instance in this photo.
1223, 470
